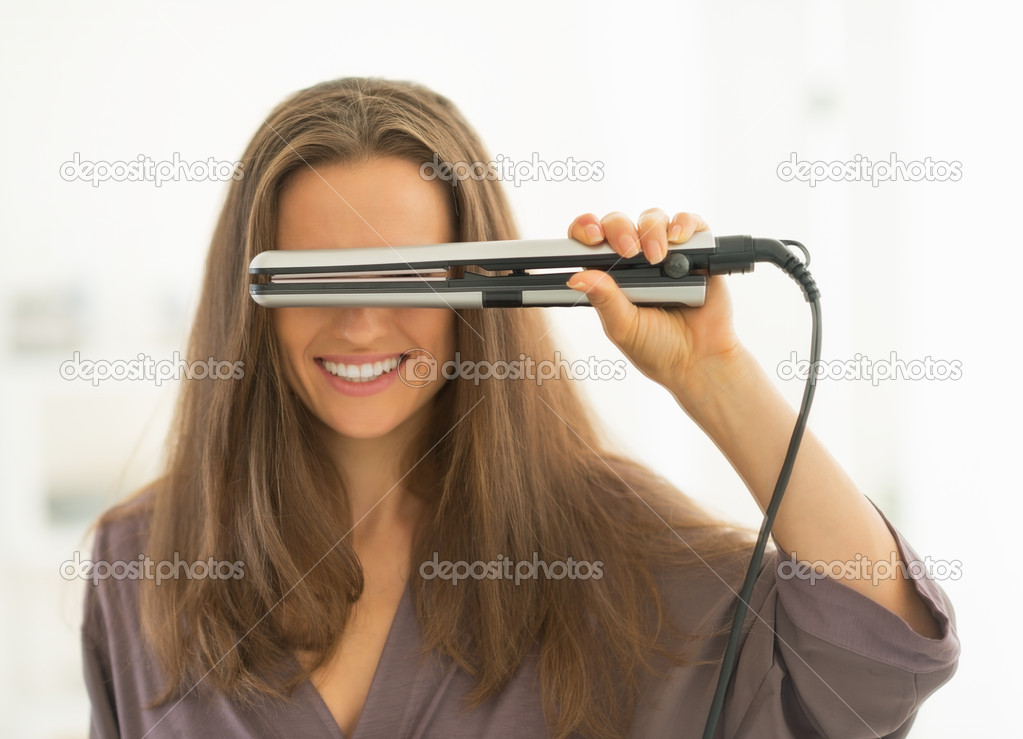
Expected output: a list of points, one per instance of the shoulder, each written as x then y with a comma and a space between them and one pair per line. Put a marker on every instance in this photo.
117, 562
124, 524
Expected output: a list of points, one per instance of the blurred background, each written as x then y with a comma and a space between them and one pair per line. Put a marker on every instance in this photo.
688, 106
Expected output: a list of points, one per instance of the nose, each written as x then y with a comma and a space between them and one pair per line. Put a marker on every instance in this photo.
361, 326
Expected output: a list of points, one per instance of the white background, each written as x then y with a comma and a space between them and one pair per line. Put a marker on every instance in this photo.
689, 106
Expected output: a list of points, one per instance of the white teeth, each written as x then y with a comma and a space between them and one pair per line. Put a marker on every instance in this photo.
361, 372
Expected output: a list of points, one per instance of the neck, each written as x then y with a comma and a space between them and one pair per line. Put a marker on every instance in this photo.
377, 495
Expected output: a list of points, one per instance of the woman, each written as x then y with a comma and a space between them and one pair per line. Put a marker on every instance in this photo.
341, 496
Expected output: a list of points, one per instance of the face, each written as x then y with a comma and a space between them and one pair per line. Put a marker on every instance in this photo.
372, 204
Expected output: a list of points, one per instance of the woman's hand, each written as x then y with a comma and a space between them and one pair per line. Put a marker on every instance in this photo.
695, 354
681, 348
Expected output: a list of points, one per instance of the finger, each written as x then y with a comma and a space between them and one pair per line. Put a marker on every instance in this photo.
618, 315
621, 234
653, 234
586, 228
684, 225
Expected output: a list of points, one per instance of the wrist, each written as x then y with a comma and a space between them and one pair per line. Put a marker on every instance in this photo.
722, 379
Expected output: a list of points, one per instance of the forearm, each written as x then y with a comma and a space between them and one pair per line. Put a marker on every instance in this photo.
823, 516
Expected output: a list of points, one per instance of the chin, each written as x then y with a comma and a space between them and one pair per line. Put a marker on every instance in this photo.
370, 429
367, 426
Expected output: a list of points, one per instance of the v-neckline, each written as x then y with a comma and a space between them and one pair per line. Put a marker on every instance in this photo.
320, 705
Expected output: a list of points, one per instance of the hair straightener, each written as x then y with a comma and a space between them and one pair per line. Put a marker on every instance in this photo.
454, 276
422, 276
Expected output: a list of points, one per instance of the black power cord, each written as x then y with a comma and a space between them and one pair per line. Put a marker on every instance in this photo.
737, 254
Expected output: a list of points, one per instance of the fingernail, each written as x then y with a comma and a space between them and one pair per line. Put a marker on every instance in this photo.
593, 234
628, 245
674, 233
651, 250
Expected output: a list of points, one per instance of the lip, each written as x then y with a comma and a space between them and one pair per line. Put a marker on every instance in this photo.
358, 358
359, 389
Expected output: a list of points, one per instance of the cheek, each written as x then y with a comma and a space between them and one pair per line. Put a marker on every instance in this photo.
290, 332
294, 327
438, 328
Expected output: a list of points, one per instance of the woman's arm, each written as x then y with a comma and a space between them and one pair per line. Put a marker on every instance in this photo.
99, 685
823, 516
694, 353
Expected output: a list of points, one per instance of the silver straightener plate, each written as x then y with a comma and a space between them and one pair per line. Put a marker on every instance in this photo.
691, 295
371, 300
483, 253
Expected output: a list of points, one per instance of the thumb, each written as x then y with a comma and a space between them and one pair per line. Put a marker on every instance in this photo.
617, 313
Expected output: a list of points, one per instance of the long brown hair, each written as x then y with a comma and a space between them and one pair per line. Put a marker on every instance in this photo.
513, 469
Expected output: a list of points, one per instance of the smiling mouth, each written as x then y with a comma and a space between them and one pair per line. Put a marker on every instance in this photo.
366, 372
